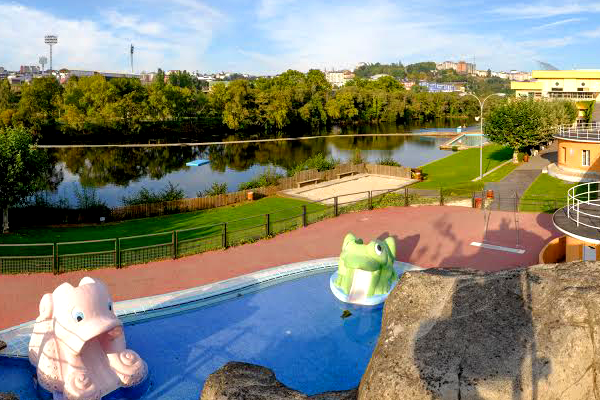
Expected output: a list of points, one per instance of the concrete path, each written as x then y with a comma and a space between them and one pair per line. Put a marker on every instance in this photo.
427, 236
520, 179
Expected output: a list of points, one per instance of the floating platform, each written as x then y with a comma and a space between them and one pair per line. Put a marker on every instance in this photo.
197, 163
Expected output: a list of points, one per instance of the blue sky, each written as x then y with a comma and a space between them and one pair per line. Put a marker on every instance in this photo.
270, 36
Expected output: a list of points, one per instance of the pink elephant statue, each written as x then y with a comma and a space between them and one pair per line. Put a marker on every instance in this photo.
78, 344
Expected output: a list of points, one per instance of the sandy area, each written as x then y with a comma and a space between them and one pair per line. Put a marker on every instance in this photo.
347, 186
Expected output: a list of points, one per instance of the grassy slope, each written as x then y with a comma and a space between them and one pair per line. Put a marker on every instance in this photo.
547, 192
279, 207
457, 170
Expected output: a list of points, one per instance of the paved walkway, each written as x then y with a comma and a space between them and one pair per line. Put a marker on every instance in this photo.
520, 179
427, 236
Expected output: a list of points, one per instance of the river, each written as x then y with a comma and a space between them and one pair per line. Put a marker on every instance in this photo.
115, 172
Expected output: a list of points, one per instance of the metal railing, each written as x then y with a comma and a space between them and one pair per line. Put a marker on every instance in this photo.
583, 204
589, 131
120, 252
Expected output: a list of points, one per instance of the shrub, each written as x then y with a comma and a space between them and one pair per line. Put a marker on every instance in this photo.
317, 161
269, 177
388, 161
357, 158
454, 148
215, 189
87, 198
145, 196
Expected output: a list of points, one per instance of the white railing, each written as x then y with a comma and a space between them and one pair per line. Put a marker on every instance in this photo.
584, 131
583, 204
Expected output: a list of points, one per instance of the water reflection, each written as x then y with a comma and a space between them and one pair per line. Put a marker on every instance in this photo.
116, 172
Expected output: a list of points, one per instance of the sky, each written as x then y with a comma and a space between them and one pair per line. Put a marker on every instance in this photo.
271, 36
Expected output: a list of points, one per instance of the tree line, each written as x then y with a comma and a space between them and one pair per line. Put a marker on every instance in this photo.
263, 106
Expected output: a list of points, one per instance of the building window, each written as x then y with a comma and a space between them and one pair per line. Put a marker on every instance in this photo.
564, 153
585, 158
557, 89
589, 253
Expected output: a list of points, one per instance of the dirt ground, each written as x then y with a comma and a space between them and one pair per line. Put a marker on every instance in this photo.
352, 188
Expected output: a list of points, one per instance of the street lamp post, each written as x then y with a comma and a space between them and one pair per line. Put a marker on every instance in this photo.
481, 103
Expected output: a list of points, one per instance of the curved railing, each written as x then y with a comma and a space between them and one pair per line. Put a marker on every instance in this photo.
585, 131
583, 204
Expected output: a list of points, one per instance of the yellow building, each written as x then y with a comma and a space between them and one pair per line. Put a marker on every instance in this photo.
577, 160
581, 86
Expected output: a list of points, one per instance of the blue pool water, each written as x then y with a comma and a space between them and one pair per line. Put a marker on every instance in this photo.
294, 328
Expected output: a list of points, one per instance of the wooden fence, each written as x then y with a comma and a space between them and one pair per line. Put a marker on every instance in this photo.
203, 203
41, 216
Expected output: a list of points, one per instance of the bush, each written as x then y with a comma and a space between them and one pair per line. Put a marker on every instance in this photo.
454, 148
214, 190
388, 161
268, 178
146, 196
357, 158
87, 198
318, 162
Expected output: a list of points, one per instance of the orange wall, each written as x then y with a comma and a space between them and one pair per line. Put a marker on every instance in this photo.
554, 251
573, 155
574, 249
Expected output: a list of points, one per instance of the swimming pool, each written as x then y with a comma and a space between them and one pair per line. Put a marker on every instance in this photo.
293, 327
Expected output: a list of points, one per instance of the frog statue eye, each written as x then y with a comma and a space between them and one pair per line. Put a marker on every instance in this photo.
378, 249
110, 307
77, 315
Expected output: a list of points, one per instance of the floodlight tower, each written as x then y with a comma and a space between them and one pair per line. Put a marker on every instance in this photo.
43, 60
50, 40
131, 54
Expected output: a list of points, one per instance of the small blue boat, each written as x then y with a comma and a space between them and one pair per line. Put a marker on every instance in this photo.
197, 163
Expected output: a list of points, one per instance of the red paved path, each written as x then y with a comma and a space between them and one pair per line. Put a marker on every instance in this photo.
429, 236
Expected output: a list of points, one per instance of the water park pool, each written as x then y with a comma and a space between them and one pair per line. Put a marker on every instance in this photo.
290, 323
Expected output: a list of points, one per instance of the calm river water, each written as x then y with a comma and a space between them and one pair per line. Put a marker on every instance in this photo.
117, 172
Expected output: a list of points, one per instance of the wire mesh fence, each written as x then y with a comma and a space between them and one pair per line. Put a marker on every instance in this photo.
120, 252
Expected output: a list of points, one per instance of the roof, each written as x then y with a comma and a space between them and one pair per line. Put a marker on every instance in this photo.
568, 74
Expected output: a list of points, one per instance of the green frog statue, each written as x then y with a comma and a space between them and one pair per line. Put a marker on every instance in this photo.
366, 273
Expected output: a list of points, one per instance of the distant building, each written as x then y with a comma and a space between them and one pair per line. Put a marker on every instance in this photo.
147, 77
408, 84
446, 65
519, 76
463, 67
439, 87
377, 76
29, 69
503, 75
481, 74
338, 78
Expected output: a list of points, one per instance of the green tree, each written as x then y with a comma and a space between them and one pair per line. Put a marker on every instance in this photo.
521, 124
40, 103
23, 169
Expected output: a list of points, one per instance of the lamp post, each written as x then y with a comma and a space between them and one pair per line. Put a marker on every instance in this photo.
481, 103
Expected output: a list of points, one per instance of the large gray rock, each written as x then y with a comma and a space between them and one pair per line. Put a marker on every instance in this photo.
242, 381
518, 334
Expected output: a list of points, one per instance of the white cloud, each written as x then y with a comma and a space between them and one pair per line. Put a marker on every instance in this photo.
120, 21
545, 10
557, 23
270, 8
595, 33
317, 36
178, 41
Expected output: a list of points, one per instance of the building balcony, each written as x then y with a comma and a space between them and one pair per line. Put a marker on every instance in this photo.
572, 95
583, 132
580, 219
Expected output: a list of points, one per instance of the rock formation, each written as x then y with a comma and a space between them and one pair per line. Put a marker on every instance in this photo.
529, 333
242, 381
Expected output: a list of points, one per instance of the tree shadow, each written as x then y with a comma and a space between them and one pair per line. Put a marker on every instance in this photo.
404, 246
485, 336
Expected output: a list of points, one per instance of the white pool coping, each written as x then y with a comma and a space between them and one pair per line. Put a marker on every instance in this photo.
135, 310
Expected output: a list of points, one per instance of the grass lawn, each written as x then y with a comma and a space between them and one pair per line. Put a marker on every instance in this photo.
457, 170
207, 222
545, 194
